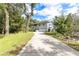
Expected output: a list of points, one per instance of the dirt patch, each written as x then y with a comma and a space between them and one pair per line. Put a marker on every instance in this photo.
17, 50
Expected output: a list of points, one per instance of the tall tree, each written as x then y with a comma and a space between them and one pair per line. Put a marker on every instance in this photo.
11, 11
4, 8
29, 16
16, 19
63, 24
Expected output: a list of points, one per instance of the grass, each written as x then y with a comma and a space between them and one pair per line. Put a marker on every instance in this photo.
55, 35
1, 36
73, 44
13, 43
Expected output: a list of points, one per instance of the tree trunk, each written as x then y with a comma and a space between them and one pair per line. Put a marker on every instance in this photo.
3, 30
6, 22
32, 8
29, 18
27, 22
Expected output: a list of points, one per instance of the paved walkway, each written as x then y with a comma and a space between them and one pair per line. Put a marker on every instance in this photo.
43, 45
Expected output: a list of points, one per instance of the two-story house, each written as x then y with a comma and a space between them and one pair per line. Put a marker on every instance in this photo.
46, 27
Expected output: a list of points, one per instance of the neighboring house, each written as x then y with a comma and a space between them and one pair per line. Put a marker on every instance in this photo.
46, 27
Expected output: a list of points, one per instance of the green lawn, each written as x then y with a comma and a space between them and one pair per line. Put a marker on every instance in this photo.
1, 36
13, 43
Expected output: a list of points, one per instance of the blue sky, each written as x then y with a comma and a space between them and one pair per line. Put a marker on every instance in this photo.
65, 5
39, 6
47, 11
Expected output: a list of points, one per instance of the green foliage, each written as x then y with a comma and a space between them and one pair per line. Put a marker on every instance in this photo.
63, 24
16, 24
33, 24
15, 17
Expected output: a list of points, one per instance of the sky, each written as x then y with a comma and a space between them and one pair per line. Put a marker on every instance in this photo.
47, 11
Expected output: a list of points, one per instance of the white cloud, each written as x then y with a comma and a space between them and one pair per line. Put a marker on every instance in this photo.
35, 11
50, 10
72, 10
54, 7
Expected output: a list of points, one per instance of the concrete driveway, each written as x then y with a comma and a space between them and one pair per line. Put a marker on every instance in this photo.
43, 45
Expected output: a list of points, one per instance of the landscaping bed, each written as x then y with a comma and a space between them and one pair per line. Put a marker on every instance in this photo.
13, 43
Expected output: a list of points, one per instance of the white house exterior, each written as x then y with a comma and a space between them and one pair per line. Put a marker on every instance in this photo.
46, 27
